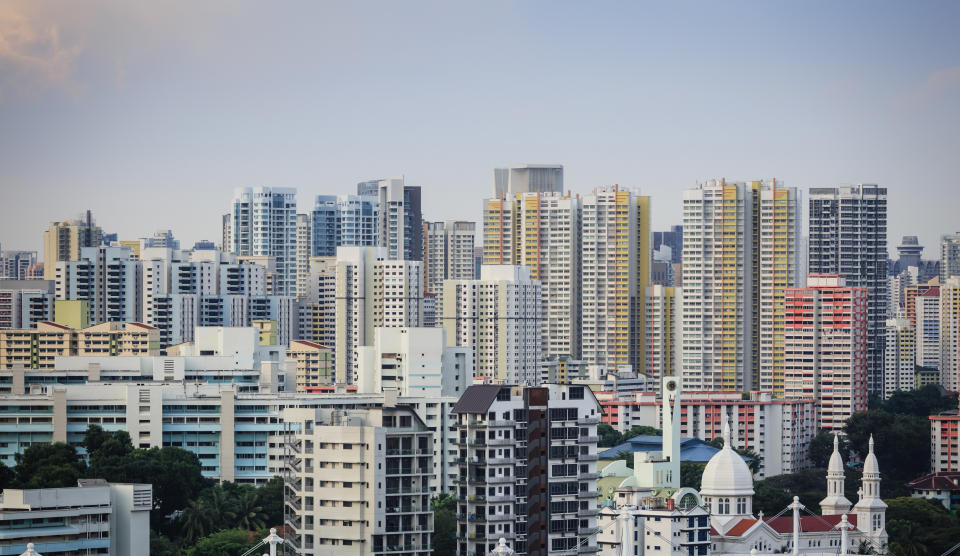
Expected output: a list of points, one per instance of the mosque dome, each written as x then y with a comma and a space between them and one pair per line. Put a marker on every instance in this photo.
726, 474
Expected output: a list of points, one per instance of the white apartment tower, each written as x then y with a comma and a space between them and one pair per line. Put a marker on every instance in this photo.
950, 334
927, 328
304, 250
615, 272
527, 178
372, 291
500, 317
447, 255
400, 229
740, 254
899, 356
662, 331
542, 230
949, 256
264, 223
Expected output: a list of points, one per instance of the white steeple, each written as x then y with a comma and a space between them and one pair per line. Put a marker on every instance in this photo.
870, 509
835, 503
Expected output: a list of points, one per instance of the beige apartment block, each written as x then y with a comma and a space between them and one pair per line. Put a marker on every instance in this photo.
358, 482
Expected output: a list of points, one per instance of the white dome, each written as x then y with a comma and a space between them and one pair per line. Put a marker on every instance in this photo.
726, 474
836, 462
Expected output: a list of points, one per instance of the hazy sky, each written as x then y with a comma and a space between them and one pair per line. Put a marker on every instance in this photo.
150, 113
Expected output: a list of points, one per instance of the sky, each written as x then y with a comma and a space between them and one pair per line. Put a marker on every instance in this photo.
151, 113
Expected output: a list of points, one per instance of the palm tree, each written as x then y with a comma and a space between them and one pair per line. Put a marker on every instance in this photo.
196, 520
221, 506
249, 515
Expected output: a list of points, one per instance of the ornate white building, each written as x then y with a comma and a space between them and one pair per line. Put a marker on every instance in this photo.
652, 514
728, 490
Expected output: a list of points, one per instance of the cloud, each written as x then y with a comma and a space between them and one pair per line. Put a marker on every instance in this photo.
944, 82
33, 58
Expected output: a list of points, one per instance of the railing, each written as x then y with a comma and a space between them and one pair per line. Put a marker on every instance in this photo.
588, 421
588, 476
588, 494
499, 479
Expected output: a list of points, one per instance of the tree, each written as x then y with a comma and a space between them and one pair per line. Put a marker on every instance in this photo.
197, 520
924, 402
920, 527
691, 474
231, 542
641, 430
609, 436
821, 448
49, 466
270, 498
627, 456
901, 443
7, 477
248, 514
444, 524
162, 546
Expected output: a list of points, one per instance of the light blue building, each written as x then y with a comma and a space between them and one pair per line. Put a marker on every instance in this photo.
340, 220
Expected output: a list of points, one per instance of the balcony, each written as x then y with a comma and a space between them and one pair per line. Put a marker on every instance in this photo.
588, 421
499, 479
587, 457
501, 441
589, 439
588, 476
588, 549
588, 494
588, 530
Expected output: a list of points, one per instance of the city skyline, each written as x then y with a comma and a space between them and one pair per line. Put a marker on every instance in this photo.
160, 109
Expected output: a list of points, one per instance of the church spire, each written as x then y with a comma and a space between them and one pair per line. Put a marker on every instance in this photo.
870, 509
835, 502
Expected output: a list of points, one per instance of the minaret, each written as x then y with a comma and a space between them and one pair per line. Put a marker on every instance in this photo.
670, 423
870, 509
835, 503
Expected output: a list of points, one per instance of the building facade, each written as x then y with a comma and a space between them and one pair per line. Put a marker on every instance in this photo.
264, 223
740, 254
25, 303
826, 347
848, 236
899, 357
949, 256
400, 228
527, 469
615, 273
950, 334
372, 291
447, 255
499, 316
344, 220
62, 241
542, 229
662, 331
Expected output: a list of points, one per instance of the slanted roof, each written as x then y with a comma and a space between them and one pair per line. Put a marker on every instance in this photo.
740, 528
937, 481
808, 523
477, 398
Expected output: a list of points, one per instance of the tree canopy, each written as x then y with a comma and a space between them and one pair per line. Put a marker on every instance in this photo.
924, 402
919, 527
610, 437
901, 444
821, 448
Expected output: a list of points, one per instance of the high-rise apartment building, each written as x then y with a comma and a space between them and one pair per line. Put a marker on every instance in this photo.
14, 264
542, 230
926, 325
25, 303
499, 316
662, 331
400, 228
38, 348
740, 254
318, 311
108, 279
527, 178
899, 357
826, 347
848, 236
304, 251
63, 240
372, 291
264, 223
358, 482
447, 255
950, 334
945, 441
615, 270
344, 220
949, 256
527, 469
